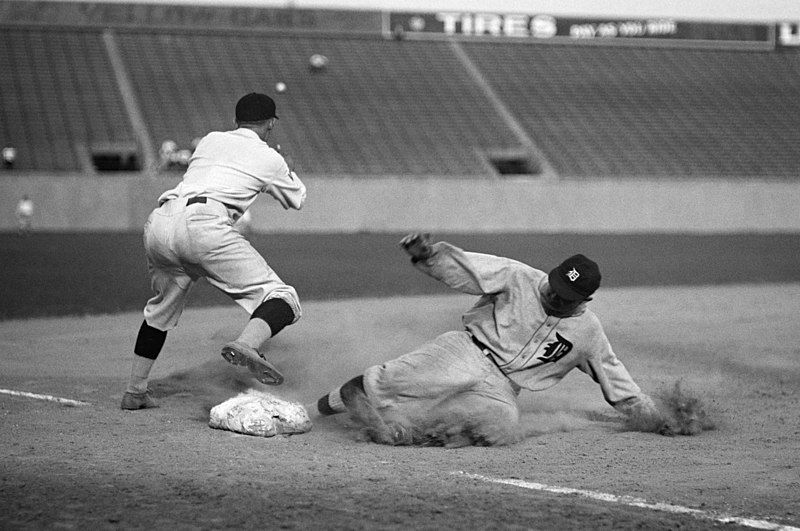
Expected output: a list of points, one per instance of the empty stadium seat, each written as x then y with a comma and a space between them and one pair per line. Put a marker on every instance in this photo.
379, 107
409, 108
641, 112
58, 95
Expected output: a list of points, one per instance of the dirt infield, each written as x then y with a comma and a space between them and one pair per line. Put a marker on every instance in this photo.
95, 466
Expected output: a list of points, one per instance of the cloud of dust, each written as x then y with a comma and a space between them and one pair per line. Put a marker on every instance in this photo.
543, 422
455, 426
212, 382
423, 424
683, 412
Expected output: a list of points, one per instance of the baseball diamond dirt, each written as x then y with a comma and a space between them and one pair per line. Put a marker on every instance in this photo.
734, 346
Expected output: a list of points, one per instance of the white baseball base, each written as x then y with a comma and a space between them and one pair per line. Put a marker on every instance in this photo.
260, 414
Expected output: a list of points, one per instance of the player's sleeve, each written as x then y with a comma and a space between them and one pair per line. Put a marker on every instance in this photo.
468, 272
285, 186
616, 383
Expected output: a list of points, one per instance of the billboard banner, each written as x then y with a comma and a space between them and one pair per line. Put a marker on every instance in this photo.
212, 16
547, 27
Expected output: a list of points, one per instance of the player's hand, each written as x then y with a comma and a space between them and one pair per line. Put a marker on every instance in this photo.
418, 245
273, 190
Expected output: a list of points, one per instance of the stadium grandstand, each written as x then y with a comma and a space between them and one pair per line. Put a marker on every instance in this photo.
84, 92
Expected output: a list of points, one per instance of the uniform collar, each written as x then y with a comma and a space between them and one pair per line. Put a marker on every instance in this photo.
243, 131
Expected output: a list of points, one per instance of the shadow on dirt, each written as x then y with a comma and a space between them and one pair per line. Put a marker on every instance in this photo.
207, 385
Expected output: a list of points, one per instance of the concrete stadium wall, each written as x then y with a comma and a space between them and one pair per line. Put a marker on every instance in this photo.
121, 202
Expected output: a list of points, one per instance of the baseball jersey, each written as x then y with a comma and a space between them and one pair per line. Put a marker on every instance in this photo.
533, 349
233, 167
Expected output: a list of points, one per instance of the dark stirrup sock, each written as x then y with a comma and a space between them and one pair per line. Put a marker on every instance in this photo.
149, 341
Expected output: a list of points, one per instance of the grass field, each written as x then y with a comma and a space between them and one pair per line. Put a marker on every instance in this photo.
90, 273
721, 320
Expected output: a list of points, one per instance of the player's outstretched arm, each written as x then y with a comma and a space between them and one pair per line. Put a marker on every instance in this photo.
290, 191
417, 245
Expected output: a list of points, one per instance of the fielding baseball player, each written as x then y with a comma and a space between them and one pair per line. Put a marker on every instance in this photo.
191, 235
527, 330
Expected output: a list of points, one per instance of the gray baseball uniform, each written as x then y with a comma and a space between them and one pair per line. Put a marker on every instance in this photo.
509, 342
191, 234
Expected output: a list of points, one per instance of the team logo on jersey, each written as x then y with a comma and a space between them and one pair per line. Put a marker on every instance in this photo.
573, 274
555, 350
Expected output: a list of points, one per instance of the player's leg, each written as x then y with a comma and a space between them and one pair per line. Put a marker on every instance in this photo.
161, 314
401, 393
243, 274
171, 286
149, 342
432, 372
266, 321
484, 416
468, 400
351, 397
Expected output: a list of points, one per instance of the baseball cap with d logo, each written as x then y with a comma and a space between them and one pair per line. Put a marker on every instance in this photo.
576, 278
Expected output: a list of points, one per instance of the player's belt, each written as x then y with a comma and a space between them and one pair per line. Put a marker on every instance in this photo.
489, 353
197, 199
204, 200
480, 345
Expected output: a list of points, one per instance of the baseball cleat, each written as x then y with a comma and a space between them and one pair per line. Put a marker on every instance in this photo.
238, 353
134, 401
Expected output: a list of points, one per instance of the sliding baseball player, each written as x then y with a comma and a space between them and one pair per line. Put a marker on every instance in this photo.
527, 330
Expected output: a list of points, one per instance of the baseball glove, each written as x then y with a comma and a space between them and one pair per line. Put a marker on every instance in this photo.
418, 245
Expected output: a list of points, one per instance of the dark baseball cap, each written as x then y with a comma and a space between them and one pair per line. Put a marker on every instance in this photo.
575, 279
255, 107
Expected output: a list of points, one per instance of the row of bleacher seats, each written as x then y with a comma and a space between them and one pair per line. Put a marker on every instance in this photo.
381, 108
386, 107
57, 91
646, 111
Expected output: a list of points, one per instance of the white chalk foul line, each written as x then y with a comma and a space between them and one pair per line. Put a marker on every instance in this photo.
50, 398
636, 502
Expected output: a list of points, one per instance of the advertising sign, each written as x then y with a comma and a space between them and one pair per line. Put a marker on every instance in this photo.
545, 27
